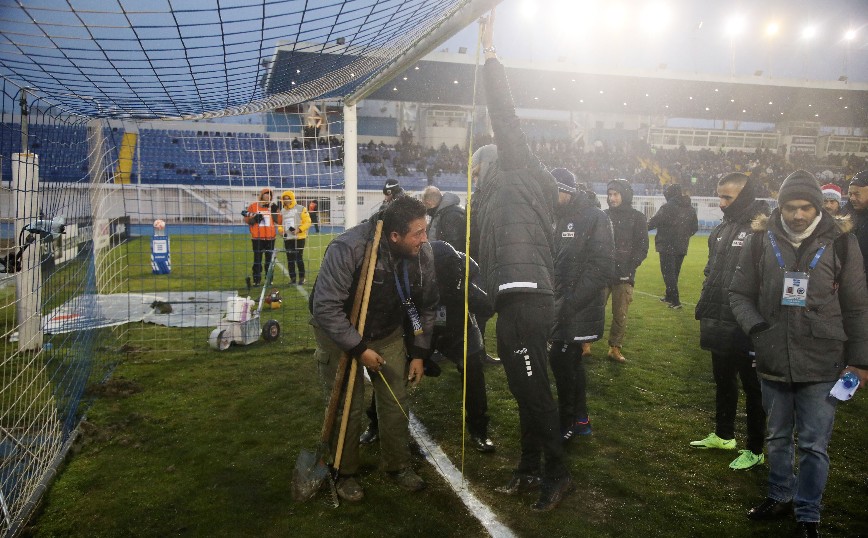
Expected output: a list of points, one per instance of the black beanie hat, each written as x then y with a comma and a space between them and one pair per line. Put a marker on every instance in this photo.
801, 185
565, 179
392, 187
860, 179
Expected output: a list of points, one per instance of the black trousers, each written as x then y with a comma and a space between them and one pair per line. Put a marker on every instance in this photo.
524, 322
294, 256
571, 381
727, 369
670, 266
261, 247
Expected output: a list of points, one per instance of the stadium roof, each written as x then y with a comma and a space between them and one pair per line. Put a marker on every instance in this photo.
447, 79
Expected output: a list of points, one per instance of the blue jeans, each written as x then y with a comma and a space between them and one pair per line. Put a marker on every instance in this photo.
808, 409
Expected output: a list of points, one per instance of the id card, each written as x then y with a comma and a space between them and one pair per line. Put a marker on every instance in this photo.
440, 316
795, 289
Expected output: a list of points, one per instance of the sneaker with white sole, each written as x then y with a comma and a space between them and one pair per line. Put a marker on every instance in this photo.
713, 441
747, 459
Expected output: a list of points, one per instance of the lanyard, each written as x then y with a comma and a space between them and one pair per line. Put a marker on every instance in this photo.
404, 298
780, 257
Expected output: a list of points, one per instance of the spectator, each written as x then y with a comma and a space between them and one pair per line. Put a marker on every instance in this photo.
313, 211
858, 210
731, 350
832, 199
404, 256
391, 191
675, 223
584, 255
799, 290
448, 218
295, 224
262, 217
631, 248
516, 208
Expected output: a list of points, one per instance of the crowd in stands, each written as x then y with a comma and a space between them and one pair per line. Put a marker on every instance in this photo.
698, 171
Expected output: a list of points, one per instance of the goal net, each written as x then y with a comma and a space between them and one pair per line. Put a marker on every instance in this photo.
131, 141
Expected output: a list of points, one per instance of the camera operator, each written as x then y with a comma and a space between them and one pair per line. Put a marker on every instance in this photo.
262, 216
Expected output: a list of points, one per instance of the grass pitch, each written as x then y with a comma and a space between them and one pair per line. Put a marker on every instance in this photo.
188, 441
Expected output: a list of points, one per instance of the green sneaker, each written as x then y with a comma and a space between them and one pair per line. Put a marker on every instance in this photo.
747, 459
713, 441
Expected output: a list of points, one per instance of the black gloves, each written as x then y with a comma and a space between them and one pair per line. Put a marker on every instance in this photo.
257, 218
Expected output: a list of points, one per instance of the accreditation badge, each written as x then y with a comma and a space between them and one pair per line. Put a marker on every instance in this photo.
795, 289
440, 316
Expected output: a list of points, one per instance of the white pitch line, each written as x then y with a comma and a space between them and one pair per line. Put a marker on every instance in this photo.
657, 296
435, 455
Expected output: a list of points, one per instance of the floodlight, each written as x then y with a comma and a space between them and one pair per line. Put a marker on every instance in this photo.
850, 35
772, 29
615, 16
735, 25
809, 32
528, 9
657, 17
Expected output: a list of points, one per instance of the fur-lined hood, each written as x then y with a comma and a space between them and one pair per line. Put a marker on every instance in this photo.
761, 222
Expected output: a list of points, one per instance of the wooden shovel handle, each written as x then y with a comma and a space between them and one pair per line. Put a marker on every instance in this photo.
355, 362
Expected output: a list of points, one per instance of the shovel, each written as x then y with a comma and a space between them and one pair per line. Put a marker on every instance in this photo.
311, 469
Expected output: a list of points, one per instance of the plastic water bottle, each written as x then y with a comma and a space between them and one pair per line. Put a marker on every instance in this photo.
846, 386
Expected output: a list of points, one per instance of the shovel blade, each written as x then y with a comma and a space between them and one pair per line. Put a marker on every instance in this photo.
309, 474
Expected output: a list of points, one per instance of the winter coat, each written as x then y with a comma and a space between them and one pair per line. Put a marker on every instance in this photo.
295, 216
335, 287
631, 240
449, 264
583, 266
803, 344
675, 223
718, 329
860, 222
516, 203
449, 222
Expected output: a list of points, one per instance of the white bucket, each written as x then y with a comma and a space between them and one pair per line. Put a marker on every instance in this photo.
239, 308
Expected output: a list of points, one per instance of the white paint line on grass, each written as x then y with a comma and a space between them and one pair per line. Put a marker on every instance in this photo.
435, 455
658, 297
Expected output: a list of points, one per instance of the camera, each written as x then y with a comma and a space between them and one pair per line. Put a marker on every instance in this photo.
47, 228
245, 213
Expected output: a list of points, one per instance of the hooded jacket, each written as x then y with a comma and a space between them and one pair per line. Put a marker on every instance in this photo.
675, 223
631, 234
718, 329
516, 198
334, 290
449, 222
294, 216
583, 265
266, 228
811, 343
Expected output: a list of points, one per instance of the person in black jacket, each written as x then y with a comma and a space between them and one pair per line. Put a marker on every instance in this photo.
675, 223
448, 218
583, 262
732, 355
857, 205
516, 221
631, 248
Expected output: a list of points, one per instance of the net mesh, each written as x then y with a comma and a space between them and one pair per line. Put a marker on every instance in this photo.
155, 256
192, 58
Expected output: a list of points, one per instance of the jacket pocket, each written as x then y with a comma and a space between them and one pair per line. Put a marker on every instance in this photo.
722, 336
829, 331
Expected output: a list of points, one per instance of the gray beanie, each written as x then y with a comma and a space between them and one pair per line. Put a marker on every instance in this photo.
801, 185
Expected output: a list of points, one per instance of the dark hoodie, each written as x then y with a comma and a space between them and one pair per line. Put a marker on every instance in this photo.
718, 329
631, 233
449, 222
675, 223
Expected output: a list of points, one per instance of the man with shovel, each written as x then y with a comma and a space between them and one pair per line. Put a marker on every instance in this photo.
401, 297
